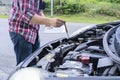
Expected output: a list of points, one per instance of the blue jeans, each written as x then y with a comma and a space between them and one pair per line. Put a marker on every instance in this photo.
23, 48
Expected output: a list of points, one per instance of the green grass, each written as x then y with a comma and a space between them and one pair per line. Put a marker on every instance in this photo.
81, 18
3, 16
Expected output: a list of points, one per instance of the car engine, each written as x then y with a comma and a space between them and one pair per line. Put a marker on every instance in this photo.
85, 54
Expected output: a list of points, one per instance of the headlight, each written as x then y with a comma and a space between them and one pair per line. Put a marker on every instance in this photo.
29, 73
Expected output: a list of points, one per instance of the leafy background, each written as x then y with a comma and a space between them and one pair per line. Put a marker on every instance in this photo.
88, 7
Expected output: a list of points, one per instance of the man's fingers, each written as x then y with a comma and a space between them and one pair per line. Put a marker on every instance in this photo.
59, 23
56, 22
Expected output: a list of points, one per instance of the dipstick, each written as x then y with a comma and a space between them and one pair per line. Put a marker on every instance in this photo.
66, 30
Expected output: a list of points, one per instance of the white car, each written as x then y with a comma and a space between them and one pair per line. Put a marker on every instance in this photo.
91, 53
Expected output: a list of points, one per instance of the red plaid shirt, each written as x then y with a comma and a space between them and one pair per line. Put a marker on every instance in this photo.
21, 13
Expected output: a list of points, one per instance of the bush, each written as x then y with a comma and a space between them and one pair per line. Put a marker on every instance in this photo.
70, 7
114, 1
108, 9
91, 7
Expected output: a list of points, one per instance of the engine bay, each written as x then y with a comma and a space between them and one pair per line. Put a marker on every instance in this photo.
81, 55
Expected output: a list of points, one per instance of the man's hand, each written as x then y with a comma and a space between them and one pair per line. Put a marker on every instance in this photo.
55, 22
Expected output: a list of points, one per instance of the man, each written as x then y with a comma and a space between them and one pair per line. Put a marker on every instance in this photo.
25, 17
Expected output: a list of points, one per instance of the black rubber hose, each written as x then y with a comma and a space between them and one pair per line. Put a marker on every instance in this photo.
114, 57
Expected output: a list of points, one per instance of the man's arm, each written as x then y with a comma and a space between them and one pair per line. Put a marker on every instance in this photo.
36, 19
28, 14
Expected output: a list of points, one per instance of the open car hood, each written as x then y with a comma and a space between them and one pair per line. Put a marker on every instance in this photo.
91, 53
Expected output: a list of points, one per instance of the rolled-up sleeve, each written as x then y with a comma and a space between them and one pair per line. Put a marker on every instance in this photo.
27, 9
